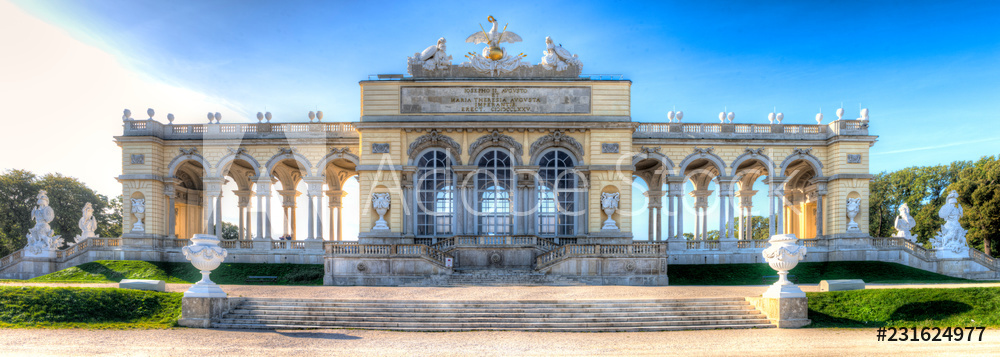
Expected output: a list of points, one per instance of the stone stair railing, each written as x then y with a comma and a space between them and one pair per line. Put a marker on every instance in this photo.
599, 250
11, 259
985, 260
386, 250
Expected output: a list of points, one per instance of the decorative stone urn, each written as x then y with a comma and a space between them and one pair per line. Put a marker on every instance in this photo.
381, 203
853, 208
139, 211
206, 255
609, 204
783, 255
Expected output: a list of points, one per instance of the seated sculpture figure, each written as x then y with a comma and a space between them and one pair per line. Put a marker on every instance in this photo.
950, 241
904, 223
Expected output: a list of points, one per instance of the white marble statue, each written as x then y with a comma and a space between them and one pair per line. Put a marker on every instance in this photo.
87, 223
41, 242
557, 57
494, 59
139, 211
904, 223
433, 58
381, 203
853, 208
609, 203
950, 241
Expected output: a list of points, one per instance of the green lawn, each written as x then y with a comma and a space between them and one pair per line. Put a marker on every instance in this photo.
906, 308
44, 307
110, 271
806, 273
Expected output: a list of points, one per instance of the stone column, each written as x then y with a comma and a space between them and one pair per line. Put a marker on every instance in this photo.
213, 194
260, 210
171, 210
746, 212
820, 192
583, 203
336, 203
288, 202
673, 190
680, 214
243, 202
779, 204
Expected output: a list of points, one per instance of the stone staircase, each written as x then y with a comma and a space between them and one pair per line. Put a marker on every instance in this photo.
495, 277
549, 316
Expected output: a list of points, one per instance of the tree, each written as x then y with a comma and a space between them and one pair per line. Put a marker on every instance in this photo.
17, 199
67, 196
759, 224
978, 188
113, 228
921, 188
230, 231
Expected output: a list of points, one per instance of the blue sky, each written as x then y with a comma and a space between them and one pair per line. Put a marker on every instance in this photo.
928, 71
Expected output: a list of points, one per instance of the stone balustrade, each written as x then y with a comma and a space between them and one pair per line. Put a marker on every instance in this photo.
385, 250
600, 250
248, 130
750, 131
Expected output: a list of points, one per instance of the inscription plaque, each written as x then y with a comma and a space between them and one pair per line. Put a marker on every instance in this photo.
494, 99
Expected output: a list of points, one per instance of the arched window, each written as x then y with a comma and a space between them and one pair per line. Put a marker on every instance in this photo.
494, 199
435, 194
556, 194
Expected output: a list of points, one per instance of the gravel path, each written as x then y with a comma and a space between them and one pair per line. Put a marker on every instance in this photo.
201, 342
198, 342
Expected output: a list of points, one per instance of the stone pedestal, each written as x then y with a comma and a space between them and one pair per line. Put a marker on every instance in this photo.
199, 312
727, 244
783, 312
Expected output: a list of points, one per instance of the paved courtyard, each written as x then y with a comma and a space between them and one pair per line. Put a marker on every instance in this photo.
194, 342
187, 342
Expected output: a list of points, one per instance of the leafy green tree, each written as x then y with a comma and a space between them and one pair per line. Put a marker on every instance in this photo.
978, 188
923, 190
113, 213
17, 199
230, 231
759, 224
67, 196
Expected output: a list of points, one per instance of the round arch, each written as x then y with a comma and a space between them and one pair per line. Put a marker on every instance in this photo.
495, 140
706, 154
185, 156
233, 155
662, 159
753, 154
805, 155
289, 154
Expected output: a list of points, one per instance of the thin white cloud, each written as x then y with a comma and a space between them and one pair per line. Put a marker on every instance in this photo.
922, 148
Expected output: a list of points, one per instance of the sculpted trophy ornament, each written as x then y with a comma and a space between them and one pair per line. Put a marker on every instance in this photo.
782, 255
609, 204
904, 223
557, 57
494, 59
206, 255
432, 58
381, 203
41, 242
87, 223
853, 208
139, 211
950, 241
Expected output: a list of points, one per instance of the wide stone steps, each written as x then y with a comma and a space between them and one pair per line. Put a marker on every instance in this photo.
552, 315
487, 277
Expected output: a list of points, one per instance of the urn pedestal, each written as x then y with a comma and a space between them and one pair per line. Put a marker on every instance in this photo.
206, 255
783, 255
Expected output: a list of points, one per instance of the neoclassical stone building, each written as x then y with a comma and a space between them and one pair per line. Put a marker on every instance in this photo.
496, 167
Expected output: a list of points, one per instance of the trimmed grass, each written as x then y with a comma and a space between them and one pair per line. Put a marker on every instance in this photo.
805, 272
102, 308
906, 308
112, 271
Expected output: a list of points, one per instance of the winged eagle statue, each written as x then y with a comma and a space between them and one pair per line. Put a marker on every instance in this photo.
493, 39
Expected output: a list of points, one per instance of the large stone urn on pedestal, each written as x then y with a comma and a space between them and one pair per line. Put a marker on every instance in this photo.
206, 255
205, 300
784, 303
783, 255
